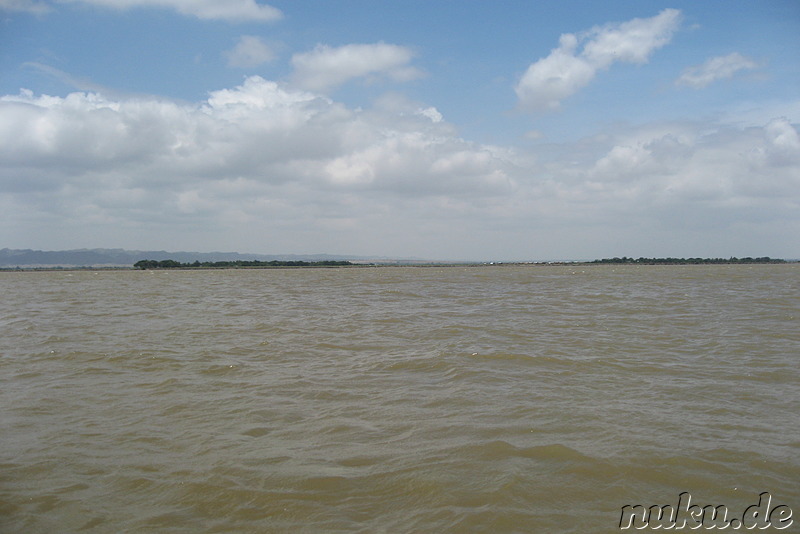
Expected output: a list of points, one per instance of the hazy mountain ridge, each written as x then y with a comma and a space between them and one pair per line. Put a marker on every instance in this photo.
120, 257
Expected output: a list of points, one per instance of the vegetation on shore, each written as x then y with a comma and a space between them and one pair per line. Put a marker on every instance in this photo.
256, 264
688, 261
172, 264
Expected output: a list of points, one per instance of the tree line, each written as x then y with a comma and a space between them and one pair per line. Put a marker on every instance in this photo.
688, 261
172, 264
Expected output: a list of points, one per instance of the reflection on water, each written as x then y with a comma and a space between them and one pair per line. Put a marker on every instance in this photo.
502, 399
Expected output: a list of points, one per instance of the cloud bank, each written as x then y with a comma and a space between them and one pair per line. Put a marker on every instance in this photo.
567, 69
292, 166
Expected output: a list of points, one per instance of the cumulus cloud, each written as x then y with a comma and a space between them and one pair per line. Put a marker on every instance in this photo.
716, 166
258, 132
327, 67
716, 68
250, 51
570, 67
431, 113
230, 10
298, 169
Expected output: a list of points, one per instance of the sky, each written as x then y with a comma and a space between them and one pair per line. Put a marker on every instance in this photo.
438, 129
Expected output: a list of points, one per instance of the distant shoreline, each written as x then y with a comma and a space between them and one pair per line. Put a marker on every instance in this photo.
171, 265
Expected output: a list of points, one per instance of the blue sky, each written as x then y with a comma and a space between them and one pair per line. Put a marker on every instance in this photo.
510, 130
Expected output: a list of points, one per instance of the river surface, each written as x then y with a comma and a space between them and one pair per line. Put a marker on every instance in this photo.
394, 399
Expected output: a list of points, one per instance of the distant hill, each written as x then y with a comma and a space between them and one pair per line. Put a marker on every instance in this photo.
104, 257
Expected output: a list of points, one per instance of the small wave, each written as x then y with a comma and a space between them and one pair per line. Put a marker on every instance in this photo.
257, 432
500, 449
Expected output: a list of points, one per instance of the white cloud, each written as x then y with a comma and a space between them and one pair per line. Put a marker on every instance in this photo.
257, 132
230, 10
566, 70
631, 41
261, 167
431, 113
716, 68
250, 51
29, 6
327, 67
714, 167
784, 144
